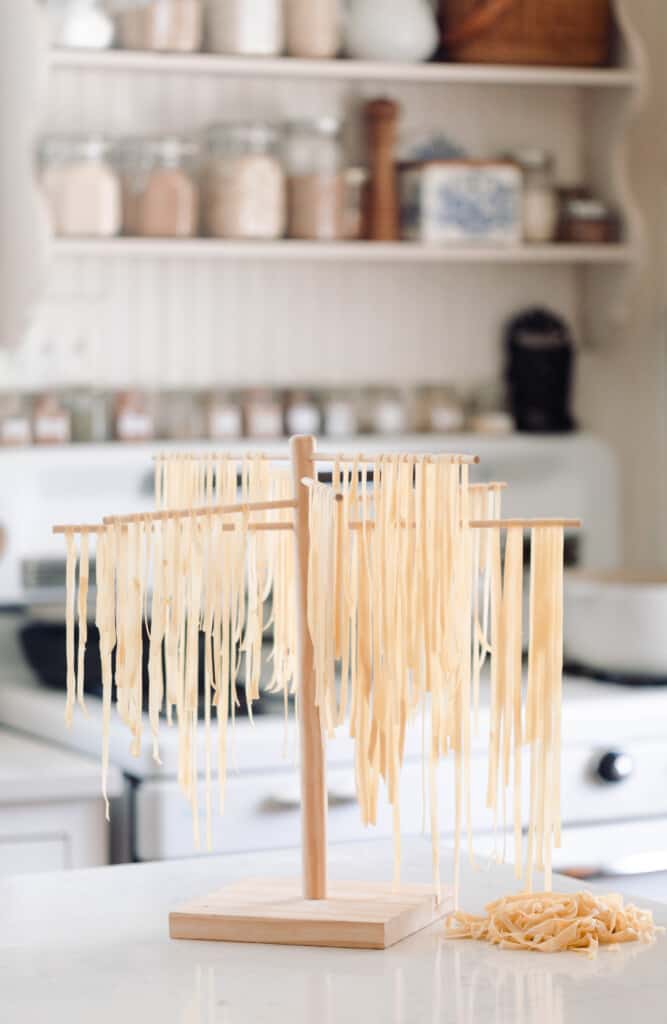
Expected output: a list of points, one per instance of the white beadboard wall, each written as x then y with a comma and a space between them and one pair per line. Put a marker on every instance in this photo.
111, 321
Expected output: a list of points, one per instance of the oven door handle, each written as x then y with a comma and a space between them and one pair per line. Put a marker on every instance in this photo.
648, 863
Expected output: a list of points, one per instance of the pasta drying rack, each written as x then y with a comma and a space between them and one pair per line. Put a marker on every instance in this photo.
314, 911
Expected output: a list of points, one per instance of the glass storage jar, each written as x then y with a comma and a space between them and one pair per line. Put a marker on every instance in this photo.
224, 416
245, 29
439, 409
385, 411
263, 413
539, 203
316, 183
245, 194
313, 28
81, 186
169, 25
302, 413
160, 187
15, 426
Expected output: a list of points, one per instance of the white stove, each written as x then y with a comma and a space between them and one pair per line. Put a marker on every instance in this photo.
614, 755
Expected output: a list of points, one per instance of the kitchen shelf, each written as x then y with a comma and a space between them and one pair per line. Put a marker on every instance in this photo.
343, 70
362, 252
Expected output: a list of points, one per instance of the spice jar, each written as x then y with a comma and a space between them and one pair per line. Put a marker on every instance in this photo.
160, 189
587, 220
246, 29
341, 418
134, 418
168, 25
302, 413
313, 28
245, 195
181, 416
539, 199
81, 186
263, 412
15, 427
51, 422
488, 413
316, 185
439, 410
386, 412
224, 417
90, 417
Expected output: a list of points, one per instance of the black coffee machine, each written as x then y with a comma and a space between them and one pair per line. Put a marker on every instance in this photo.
539, 360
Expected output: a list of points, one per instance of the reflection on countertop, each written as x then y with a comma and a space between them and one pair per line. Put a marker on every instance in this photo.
94, 945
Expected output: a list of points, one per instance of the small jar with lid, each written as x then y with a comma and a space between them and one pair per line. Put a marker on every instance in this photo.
439, 410
81, 185
245, 193
90, 414
15, 426
224, 416
488, 412
588, 221
316, 183
245, 29
386, 411
51, 421
263, 413
168, 25
181, 416
160, 187
302, 413
539, 197
134, 416
340, 413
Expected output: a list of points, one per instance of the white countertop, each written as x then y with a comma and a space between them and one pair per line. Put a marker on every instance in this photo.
93, 946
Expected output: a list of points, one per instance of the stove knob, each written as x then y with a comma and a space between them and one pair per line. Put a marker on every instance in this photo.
615, 767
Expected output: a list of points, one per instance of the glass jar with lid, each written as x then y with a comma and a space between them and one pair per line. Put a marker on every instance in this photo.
539, 198
81, 185
316, 183
169, 25
160, 187
439, 409
245, 194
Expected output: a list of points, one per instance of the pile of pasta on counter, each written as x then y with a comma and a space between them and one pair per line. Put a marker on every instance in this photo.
552, 922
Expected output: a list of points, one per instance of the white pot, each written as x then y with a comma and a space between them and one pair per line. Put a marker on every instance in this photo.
616, 622
391, 30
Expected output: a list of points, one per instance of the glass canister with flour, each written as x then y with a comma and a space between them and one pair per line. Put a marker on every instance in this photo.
80, 184
160, 187
244, 182
316, 183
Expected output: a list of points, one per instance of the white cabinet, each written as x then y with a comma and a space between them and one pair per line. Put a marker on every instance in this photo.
51, 811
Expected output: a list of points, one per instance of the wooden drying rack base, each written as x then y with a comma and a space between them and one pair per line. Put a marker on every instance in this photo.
356, 915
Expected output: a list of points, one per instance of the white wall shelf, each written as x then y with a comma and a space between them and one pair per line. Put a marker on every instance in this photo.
342, 70
364, 252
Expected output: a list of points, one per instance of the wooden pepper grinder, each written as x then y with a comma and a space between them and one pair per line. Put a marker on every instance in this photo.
381, 121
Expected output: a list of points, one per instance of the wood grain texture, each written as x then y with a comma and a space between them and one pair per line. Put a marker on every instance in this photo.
313, 761
355, 915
